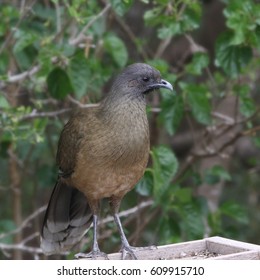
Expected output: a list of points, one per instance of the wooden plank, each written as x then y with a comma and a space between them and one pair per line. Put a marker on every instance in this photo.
226, 246
248, 255
172, 251
199, 249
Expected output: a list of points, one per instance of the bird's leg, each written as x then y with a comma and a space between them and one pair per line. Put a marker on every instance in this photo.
95, 252
125, 247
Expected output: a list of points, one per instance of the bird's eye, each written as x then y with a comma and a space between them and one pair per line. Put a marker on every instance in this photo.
146, 79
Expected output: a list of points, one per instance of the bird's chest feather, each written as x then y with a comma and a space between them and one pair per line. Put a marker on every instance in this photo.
114, 160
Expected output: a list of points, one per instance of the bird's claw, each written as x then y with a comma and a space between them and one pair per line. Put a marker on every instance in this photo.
94, 254
130, 250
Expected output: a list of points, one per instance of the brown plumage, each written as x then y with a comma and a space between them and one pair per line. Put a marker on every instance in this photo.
102, 153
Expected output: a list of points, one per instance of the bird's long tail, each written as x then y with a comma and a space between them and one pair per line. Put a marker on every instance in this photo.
67, 219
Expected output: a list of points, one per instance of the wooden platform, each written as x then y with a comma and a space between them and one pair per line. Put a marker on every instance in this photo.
216, 248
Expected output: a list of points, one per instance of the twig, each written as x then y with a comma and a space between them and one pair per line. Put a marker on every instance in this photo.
34, 114
81, 105
24, 75
25, 223
228, 143
162, 47
58, 17
127, 30
228, 120
81, 35
194, 47
21, 247
35, 250
30, 237
23, 14
129, 212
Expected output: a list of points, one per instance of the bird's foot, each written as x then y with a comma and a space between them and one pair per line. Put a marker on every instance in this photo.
94, 254
130, 250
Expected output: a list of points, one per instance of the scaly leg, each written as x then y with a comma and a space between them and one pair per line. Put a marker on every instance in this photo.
125, 247
95, 252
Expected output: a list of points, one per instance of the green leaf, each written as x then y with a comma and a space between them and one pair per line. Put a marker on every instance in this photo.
169, 30
121, 7
192, 223
235, 211
184, 195
231, 58
24, 39
153, 16
172, 111
199, 102
198, 63
247, 106
191, 17
242, 17
246, 103
3, 102
163, 67
79, 74
58, 83
26, 57
145, 186
116, 47
165, 166
216, 174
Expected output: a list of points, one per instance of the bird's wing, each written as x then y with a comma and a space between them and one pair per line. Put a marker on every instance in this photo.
70, 142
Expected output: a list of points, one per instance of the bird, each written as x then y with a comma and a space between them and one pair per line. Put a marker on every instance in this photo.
102, 153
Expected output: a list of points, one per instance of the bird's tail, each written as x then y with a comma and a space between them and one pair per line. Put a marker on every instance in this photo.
67, 219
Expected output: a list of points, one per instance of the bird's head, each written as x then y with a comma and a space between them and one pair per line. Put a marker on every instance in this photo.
139, 79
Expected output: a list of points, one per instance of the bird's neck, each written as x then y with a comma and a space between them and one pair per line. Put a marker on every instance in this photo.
128, 120
128, 108
125, 123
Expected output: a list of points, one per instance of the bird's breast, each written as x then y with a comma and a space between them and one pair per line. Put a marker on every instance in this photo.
114, 158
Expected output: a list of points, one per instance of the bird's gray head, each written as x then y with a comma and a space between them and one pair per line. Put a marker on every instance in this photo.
139, 79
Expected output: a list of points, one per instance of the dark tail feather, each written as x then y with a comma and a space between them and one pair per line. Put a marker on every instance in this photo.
66, 220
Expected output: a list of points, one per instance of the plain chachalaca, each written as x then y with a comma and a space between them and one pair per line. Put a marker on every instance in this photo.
102, 153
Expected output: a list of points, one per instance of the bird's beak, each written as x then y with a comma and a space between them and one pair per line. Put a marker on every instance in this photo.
161, 84
165, 84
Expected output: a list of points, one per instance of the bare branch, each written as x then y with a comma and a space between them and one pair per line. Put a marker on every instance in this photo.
228, 120
24, 75
25, 223
24, 10
194, 47
58, 17
129, 212
35, 250
81, 36
162, 47
233, 139
21, 247
34, 114
81, 105
131, 36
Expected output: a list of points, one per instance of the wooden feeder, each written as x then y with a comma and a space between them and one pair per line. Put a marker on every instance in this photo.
217, 248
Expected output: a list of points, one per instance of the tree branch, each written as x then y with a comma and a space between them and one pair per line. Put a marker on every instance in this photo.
25, 223
81, 36
34, 114
24, 75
